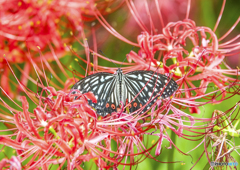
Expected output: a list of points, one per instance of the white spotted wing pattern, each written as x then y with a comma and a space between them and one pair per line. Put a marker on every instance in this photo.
135, 89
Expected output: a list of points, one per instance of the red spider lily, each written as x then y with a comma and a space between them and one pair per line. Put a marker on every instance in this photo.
201, 64
73, 136
76, 135
185, 68
39, 23
69, 130
33, 24
14, 163
61, 129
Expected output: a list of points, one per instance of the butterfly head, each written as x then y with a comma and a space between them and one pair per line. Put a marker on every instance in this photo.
119, 71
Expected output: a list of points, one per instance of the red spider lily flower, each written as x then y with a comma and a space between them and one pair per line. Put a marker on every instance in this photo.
73, 136
46, 25
203, 63
34, 22
39, 23
14, 163
70, 130
162, 116
61, 127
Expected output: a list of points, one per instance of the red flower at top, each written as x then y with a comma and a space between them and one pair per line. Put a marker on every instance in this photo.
27, 25
191, 53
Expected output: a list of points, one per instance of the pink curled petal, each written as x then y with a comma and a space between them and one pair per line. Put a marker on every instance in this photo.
9, 142
216, 62
15, 163
91, 96
99, 138
159, 146
40, 113
58, 102
52, 90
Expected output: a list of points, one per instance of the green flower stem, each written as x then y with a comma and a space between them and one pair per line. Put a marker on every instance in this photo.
171, 152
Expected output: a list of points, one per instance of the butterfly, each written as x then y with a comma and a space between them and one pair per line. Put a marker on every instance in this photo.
135, 89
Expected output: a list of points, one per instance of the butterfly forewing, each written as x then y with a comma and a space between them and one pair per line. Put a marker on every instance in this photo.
138, 88
101, 85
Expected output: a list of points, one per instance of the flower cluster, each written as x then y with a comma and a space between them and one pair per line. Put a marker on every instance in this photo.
27, 25
63, 125
62, 129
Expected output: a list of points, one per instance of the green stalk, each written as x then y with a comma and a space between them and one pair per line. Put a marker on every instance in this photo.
171, 152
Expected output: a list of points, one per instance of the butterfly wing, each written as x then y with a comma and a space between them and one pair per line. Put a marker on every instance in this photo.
139, 87
101, 85
146, 86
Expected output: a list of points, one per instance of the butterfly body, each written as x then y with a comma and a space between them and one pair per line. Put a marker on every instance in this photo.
135, 89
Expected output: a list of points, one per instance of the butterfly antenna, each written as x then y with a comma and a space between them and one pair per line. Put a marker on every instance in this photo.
108, 58
126, 56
